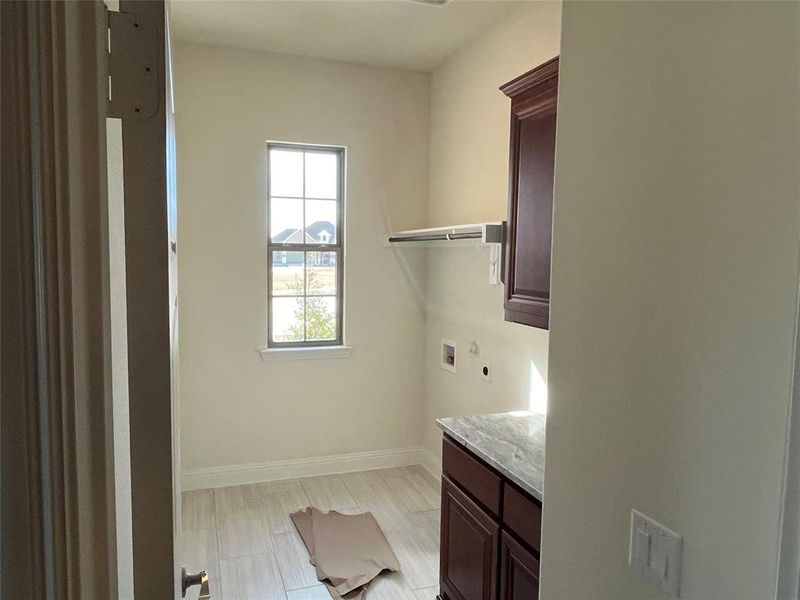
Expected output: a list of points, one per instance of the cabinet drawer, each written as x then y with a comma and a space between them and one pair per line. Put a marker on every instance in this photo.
523, 515
477, 479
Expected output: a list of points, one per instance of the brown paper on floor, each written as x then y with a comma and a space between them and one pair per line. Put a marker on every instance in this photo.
348, 551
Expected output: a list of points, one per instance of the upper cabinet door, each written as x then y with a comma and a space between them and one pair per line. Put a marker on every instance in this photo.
530, 208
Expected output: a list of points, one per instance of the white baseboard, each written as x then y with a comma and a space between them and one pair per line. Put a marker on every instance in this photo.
213, 477
432, 462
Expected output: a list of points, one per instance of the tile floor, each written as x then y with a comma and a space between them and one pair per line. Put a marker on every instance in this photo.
243, 535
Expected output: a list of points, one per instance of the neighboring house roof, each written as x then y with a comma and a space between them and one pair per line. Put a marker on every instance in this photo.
313, 234
288, 236
314, 230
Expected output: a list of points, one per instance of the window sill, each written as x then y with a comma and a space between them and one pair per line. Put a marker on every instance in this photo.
272, 354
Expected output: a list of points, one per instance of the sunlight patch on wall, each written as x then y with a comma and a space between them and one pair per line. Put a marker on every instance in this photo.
537, 391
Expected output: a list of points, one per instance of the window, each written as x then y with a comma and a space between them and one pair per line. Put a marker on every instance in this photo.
305, 208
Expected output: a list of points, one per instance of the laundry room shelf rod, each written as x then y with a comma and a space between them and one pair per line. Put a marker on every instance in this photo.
474, 234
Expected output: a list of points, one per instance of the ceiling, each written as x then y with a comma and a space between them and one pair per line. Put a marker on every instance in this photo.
396, 33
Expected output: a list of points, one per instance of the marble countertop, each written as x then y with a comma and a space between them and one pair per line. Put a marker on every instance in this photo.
513, 443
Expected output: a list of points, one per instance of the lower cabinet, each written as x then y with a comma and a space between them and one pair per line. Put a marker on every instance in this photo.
519, 571
468, 548
490, 532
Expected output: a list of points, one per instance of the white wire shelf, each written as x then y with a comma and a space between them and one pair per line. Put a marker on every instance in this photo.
451, 235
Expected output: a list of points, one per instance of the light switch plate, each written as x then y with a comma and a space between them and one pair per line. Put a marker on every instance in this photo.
655, 553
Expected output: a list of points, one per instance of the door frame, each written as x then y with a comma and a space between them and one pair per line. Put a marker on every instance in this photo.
788, 573
149, 299
58, 481
57, 446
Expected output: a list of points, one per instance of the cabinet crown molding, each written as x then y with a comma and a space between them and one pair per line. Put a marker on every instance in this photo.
533, 77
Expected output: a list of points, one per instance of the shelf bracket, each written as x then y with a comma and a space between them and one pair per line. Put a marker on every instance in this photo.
495, 264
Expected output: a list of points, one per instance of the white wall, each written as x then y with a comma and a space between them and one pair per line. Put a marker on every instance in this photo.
674, 292
390, 393
237, 409
469, 184
119, 361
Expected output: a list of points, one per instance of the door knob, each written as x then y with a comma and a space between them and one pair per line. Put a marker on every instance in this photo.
189, 580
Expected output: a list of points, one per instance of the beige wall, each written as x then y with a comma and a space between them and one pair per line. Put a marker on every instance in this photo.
469, 184
470, 116
237, 409
674, 292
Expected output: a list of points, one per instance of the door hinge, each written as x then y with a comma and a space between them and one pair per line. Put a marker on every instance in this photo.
133, 68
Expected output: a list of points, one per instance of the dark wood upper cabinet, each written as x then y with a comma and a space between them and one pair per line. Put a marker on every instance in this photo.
530, 208
469, 547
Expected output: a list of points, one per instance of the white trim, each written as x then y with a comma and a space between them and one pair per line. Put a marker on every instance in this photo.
432, 462
270, 354
213, 477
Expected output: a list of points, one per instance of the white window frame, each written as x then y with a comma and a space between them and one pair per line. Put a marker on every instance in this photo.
337, 247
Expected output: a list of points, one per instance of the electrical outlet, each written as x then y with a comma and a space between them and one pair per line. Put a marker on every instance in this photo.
486, 370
